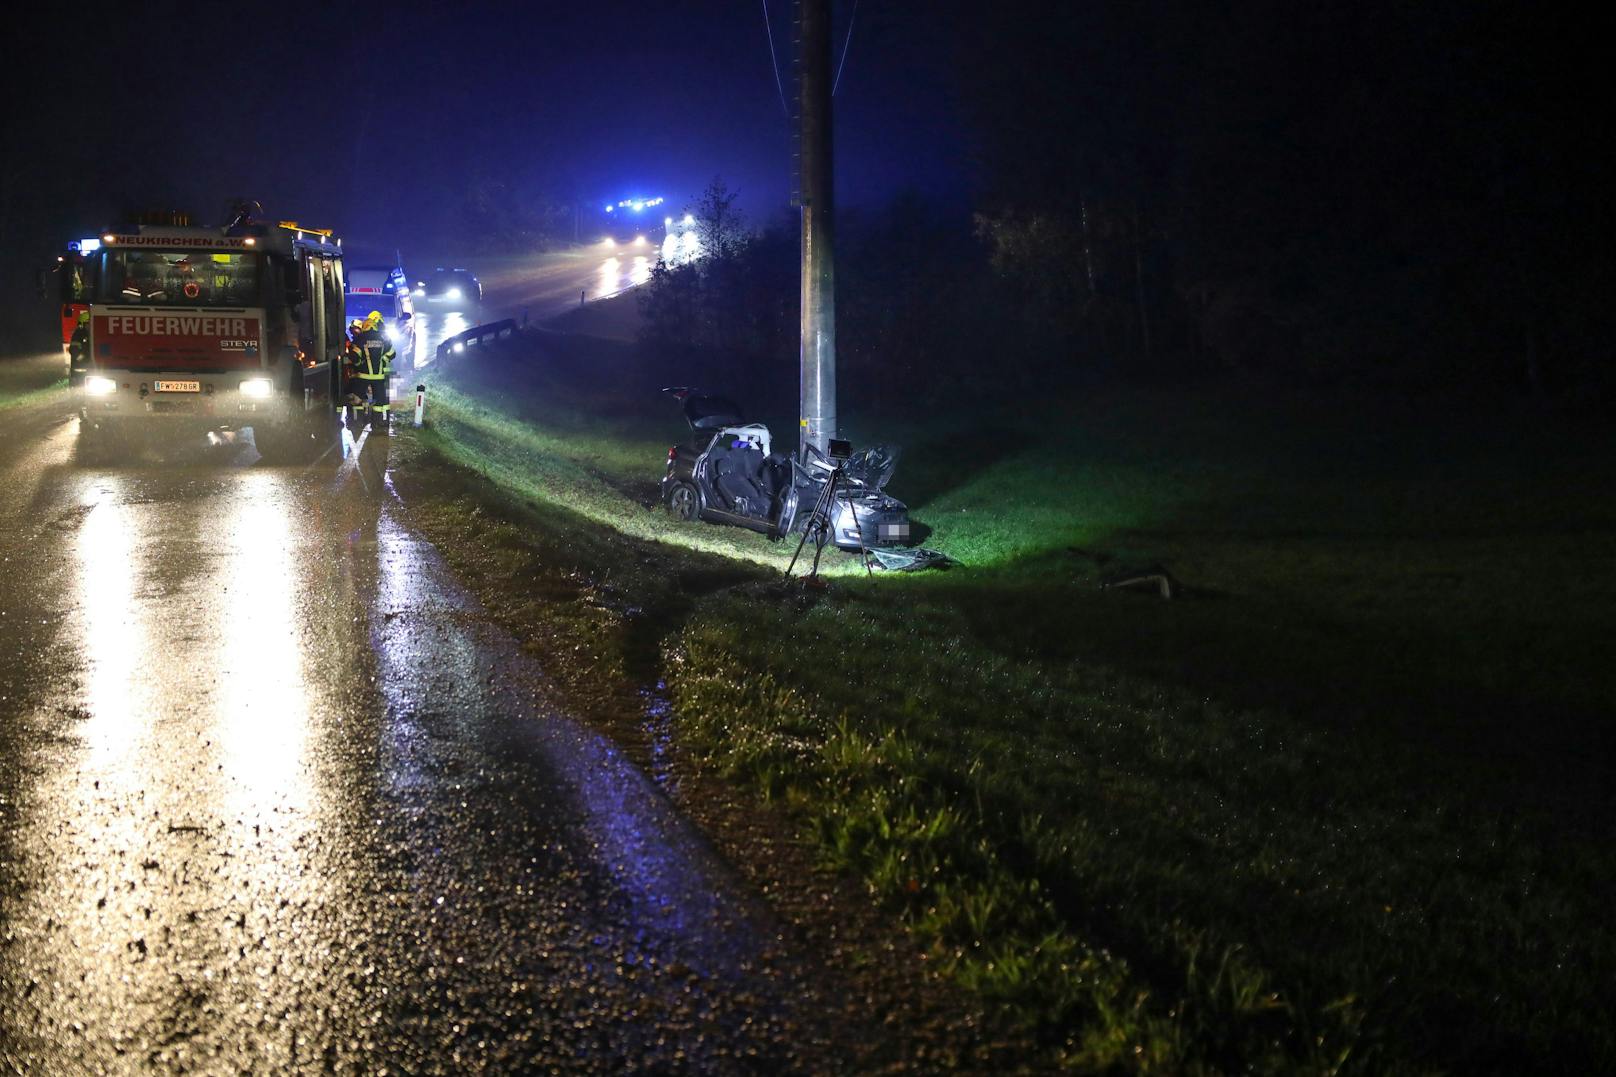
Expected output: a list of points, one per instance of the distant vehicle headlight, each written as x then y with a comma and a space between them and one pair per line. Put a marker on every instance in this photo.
454, 293
257, 388
392, 334
98, 386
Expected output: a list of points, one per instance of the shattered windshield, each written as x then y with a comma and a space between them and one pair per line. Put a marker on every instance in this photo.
181, 278
872, 468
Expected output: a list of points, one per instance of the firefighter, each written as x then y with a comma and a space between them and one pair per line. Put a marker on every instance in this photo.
353, 391
79, 344
373, 365
350, 347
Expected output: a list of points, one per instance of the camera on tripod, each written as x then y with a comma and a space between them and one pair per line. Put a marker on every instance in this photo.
820, 522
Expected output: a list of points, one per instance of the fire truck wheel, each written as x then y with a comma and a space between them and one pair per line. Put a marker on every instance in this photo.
283, 443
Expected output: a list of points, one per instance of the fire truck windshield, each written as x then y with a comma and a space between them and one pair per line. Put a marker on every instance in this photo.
180, 278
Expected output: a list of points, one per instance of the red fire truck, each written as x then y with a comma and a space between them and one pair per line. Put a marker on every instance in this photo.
239, 326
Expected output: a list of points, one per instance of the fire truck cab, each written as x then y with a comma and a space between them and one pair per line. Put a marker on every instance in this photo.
239, 326
68, 283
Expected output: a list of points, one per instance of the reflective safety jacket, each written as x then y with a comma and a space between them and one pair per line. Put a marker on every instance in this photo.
374, 360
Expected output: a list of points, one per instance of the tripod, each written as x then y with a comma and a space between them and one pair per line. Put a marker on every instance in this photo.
819, 526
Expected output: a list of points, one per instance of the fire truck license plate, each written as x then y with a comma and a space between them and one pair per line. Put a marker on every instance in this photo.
179, 386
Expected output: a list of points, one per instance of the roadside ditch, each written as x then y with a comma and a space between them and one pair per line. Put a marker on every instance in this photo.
603, 614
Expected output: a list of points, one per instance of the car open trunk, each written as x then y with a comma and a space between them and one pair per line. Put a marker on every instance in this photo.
706, 412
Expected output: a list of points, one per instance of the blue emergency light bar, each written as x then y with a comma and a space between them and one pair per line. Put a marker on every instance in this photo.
636, 204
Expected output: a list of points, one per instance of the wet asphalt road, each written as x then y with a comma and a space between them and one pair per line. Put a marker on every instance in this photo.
274, 795
533, 288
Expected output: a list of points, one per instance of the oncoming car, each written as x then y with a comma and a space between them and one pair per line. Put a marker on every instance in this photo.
730, 473
457, 288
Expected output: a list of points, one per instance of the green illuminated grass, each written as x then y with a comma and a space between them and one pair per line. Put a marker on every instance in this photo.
1342, 808
24, 382
606, 470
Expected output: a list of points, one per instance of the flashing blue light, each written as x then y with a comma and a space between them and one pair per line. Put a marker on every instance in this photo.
639, 205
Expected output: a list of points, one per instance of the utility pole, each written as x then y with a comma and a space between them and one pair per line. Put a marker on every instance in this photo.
815, 177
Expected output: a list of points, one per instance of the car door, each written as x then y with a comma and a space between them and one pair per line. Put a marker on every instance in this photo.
404, 319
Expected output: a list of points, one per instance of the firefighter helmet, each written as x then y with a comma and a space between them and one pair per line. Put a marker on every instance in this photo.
375, 319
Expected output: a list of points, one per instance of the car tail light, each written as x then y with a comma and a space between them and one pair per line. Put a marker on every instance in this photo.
673, 452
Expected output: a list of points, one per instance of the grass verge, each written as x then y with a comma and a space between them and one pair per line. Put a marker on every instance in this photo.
17, 393
1342, 809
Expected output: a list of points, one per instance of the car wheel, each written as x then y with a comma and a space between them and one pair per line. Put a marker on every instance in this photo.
683, 504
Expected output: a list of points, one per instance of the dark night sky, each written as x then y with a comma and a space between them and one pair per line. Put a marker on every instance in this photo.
371, 116
1321, 144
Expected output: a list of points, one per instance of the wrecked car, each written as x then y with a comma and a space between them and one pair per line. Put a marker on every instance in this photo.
729, 472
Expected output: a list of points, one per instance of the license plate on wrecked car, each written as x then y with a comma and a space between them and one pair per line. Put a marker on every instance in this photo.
177, 386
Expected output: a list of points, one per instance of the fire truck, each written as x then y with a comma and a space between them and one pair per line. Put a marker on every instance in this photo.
223, 327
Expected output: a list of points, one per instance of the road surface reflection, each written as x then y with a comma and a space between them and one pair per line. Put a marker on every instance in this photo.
113, 630
433, 327
611, 272
262, 719
623, 267
173, 848
275, 797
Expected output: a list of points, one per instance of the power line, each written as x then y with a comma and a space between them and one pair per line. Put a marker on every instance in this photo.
845, 45
778, 85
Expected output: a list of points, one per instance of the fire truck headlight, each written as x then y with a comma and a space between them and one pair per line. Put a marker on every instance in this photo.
257, 388
98, 386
